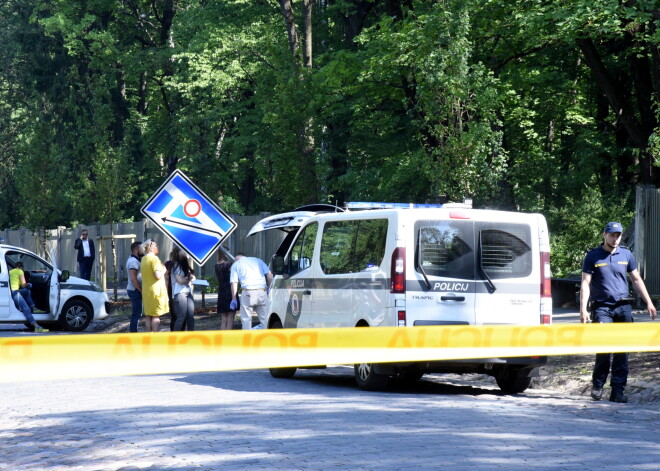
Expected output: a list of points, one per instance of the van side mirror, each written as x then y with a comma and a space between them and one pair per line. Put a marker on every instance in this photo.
278, 264
64, 276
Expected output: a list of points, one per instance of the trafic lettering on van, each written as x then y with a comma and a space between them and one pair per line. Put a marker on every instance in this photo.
451, 286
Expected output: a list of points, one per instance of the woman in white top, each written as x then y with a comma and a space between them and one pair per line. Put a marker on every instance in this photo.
181, 276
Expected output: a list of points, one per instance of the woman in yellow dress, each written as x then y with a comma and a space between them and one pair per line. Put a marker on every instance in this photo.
154, 289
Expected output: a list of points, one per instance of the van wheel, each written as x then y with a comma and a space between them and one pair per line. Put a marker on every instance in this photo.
510, 383
76, 316
281, 372
367, 379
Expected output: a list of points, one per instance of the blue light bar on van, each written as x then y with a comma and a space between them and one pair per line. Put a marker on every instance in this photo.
371, 205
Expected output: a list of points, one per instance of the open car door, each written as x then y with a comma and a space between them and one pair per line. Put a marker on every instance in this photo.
54, 296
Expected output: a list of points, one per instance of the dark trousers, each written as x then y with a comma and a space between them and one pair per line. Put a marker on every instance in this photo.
618, 361
136, 309
85, 268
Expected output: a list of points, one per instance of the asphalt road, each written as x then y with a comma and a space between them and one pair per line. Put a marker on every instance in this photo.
319, 420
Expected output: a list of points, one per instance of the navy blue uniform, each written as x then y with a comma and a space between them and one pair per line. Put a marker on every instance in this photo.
609, 284
610, 303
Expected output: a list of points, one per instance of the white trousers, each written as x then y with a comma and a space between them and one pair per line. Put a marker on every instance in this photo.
253, 301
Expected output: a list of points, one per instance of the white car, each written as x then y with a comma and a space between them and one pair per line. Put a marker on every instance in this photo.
69, 303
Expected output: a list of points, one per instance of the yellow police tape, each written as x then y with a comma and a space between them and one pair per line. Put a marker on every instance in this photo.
45, 357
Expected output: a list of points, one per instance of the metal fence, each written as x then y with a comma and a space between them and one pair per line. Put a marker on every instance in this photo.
647, 241
113, 244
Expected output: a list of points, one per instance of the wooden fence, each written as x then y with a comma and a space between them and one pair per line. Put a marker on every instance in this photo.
113, 244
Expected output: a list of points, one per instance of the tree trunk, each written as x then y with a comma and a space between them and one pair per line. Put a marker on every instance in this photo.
613, 90
291, 29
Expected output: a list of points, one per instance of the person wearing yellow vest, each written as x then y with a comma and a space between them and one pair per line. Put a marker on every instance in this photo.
20, 294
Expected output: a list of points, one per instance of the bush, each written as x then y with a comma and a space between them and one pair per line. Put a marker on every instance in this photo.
577, 226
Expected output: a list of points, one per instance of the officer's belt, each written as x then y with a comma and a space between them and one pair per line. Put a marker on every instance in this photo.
622, 302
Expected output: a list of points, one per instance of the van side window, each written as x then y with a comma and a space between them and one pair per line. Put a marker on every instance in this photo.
443, 249
303, 249
337, 247
353, 246
370, 244
506, 251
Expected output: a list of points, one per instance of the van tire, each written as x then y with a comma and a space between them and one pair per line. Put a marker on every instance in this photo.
367, 379
509, 381
76, 315
281, 372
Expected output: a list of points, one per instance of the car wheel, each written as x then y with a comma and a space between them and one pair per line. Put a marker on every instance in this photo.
76, 315
281, 372
367, 379
510, 383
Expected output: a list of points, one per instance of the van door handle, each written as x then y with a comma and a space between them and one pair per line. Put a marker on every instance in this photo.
307, 292
452, 298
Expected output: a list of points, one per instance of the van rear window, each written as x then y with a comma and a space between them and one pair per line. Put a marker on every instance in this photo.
505, 250
444, 248
450, 248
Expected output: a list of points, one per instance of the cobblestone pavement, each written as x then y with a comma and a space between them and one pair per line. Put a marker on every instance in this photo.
318, 420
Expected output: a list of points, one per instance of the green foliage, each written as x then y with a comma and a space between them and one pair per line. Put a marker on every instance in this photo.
577, 225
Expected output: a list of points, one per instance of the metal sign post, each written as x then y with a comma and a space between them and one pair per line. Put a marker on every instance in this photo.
189, 217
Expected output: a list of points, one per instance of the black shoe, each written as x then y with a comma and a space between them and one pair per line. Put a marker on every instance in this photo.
596, 393
618, 397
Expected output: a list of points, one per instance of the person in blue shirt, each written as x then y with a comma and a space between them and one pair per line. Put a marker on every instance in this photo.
605, 285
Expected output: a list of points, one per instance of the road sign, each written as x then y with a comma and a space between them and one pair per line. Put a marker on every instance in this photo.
189, 217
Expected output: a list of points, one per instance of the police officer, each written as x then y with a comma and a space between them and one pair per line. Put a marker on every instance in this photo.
604, 283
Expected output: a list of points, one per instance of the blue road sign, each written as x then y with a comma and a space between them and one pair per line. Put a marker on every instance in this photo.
188, 217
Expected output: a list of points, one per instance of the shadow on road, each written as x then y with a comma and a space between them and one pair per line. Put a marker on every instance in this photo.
341, 378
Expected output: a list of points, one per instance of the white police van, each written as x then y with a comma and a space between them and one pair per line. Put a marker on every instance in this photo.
412, 265
70, 303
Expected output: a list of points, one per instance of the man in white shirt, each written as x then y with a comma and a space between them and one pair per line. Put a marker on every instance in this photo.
255, 277
86, 254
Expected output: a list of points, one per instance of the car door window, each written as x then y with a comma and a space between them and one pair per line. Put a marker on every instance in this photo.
30, 263
302, 251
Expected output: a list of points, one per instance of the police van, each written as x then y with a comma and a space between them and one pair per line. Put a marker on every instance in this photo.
387, 264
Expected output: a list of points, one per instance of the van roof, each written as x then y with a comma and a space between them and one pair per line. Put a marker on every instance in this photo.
293, 220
